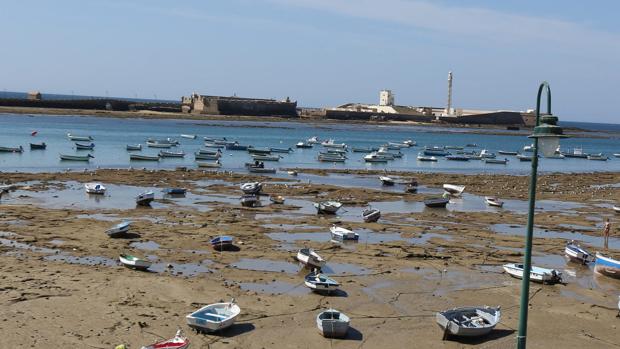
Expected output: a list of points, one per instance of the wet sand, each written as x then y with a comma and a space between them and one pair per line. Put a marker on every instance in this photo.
61, 284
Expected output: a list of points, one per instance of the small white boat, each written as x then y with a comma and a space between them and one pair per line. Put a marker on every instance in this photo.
493, 201
426, 158
617, 155
158, 144
310, 258
327, 207
385, 180
251, 187
469, 321
331, 144
277, 199
528, 148
119, 229
374, 157
188, 136
332, 323
371, 215
68, 157
320, 283
171, 154
454, 190
216, 164
145, 199
134, 147
607, 266
134, 262
292, 173
340, 233
616, 208
537, 274
79, 138
576, 253
214, 317
303, 145
179, 341
199, 156
94, 188
496, 161
313, 140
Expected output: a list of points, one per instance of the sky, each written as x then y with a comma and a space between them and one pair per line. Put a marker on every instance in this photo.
320, 52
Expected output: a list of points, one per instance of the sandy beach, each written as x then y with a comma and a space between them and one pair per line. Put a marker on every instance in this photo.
62, 286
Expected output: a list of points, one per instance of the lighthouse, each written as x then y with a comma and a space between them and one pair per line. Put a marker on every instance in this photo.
448, 110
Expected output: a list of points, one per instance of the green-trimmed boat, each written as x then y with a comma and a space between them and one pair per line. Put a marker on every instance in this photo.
134, 262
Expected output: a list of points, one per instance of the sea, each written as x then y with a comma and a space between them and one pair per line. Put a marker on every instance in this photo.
111, 135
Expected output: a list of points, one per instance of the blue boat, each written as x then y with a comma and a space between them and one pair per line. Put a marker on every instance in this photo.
222, 242
607, 266
174, 191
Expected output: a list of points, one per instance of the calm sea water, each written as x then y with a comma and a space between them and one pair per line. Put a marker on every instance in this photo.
112, 135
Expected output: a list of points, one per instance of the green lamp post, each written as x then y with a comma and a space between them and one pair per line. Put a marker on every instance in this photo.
546, 135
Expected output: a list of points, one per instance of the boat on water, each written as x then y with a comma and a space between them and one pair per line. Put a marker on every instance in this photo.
375, 158
332, 323
73, 137
250, 200
158, 144
174, 191
251, 187
340, 233
171, 154
436, 202
411, 188
119, 230
537, 274
387, 181
261, 169
281, 150
528, 148
318, 282
179, 341
363, 149
485, 154
140, 157
214, 139
496, 161
313, 140
303, 145
327, 207
259, 151
471, 145
617, 155
330, 143
598, 157
523, 157
198, 156
454, 190
188, 136
576, 153
371, 215
331, 158
458, 158
94, 188
310, 258
145, 199
607, 266
454, 147
19, 149
222, 242
435, 152
292, 173
236, 146
426, 158
213, 145
84, 146
208, 164
68, 157
277, 199
133, 147
38, 146
576, 253
214, 317
469, 321
209, 152
505, 152
493, 201
259, 157
134, 262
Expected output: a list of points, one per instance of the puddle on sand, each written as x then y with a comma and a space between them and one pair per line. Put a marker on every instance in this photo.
577, 227
449, 280
366, 236
266, 265
57, 242
276, 288
88, 260
182, 269
25, 246
344, 268
290, 226
146, 245
517, 229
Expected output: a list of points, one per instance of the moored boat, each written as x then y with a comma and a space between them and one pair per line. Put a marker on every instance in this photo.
171, 154
222, 242
493, 201
310, 258
134, 262
332, 323
259, 157
303, 145
458, 157
145, 199
174, 191
523, 157
436, 202
371, 215
576, 253
537, 274
73, 137
454, 190
597, 157
505, 152
263, 170
95, 188
38, 146
158, 144
385, 180
19, 149
318, 282
496, 161
198, 156
118, 230
331, 158
607, 266
327, 207
84, 146
208, 164
179, 341
340, 233
469, 321
140, 157
281, 150
251, 187
236, 146
214, 317
188, 136
426, 158
133, 147
375, 158
259, 151
277, 199
331, 144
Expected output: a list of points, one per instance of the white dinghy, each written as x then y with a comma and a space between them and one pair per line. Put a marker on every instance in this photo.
94, 188
214, 317
469, 321
454, 190
537, 274
310, 258
340, 233
332, 323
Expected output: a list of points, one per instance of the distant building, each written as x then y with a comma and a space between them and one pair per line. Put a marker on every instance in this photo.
386, 98
34, 96
220, 105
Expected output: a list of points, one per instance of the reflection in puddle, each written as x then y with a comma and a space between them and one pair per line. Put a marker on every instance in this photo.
266, 265
147, 245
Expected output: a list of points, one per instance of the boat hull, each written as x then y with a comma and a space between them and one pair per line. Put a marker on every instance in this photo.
607, 266
481, 321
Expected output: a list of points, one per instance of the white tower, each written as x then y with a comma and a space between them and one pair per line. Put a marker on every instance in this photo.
386, 98
449, 107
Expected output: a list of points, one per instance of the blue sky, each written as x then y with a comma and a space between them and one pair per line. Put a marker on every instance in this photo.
320, 52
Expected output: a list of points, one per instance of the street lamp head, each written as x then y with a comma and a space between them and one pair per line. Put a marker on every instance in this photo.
548, 134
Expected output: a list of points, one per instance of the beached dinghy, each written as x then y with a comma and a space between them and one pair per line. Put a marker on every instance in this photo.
332, 323
277, 199
251, 187
174, 191
310, 258
537, 274
223, 242
145, 198
320, 282
340, 233
38, 146
469, 321
79, 138
576, 253
371, 215
140, 157
454, 190
385, 180
68, 157
134, 262
493, 201
436, 202
177, 342
94, 188
118, 230
607, 266
327, 207
616, 208
84, 146
250, 200
133, 147
214, 317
